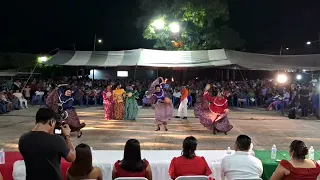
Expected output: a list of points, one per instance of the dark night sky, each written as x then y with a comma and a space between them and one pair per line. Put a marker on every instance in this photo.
39, 26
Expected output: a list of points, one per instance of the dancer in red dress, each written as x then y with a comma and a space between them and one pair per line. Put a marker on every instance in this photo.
215, 117
108, 103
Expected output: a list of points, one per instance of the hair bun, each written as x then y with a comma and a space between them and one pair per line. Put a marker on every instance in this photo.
304, 150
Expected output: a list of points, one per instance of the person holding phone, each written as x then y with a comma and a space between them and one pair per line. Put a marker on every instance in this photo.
42, 149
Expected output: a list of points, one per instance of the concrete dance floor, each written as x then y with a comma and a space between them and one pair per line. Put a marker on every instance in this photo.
265, 129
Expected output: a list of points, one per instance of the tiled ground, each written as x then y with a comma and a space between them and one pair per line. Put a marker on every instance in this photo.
265, 129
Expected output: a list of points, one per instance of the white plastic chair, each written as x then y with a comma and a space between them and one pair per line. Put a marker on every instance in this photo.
19, 170
192, 178
131, 178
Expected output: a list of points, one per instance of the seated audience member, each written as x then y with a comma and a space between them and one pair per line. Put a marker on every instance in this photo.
82, 167
189, 164
42, 149
242, 164
21, 99
298, 167
6, 101
132, 165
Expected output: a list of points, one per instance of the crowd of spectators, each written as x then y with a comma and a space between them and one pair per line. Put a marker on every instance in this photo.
263, 93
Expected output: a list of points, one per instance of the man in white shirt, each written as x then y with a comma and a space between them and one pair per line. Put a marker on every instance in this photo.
21, 99
39, 96
242, 164
176, 97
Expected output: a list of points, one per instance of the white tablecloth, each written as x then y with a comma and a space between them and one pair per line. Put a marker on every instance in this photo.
159, 162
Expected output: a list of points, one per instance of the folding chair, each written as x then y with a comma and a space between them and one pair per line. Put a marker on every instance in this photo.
193, 178
131, 178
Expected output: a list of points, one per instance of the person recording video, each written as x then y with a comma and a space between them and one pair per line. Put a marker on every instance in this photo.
42, 149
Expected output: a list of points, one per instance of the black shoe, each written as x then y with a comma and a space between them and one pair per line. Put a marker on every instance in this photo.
158, 129
214, 131
184, 118
225, 133
80, 134
177, 117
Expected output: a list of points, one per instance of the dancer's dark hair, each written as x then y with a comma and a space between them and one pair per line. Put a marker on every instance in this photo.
132, 161
299, 149
189, 147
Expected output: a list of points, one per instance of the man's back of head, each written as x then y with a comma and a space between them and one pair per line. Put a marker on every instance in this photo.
243, 143
44, 115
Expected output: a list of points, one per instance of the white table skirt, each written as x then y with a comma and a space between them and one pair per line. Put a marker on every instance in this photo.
159, 162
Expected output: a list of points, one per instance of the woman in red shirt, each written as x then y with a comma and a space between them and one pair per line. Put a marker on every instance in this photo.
298, 167
189, 164
132, 165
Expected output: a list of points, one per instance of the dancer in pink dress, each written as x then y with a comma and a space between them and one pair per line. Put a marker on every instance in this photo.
108, 103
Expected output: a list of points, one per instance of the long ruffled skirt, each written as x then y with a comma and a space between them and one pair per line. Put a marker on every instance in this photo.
118, 110
73, 120
207, 120
163, 113
131, 109
108, 110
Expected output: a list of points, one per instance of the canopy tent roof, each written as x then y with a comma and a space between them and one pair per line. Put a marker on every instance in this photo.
203, 58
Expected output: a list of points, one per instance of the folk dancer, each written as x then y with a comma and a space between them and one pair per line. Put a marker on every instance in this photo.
72, 119
183, 107
108, 103
215, 117
118, 96
131, 105
163, 105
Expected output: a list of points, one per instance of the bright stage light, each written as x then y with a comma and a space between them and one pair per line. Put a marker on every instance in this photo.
282, 78
99, 40
174, 27
304, 70
158, 24
172, 79
299, 77
308, 43
42, 59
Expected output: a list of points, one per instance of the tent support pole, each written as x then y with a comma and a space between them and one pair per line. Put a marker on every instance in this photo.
29, 77
135, 71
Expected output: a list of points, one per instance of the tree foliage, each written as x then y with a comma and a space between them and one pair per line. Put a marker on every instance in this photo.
202, 24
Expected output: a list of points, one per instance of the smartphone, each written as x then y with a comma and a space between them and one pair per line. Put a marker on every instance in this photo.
57, 131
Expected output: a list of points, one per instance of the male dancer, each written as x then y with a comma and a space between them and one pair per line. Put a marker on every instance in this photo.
183, 104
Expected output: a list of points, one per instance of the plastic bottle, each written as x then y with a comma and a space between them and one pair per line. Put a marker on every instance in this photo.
2, 157
229, 151
274, 152
311, 153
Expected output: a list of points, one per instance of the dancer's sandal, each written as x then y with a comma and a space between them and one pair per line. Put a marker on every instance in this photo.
158, 129
166, 129
80, 134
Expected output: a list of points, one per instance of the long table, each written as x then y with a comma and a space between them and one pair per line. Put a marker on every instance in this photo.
159, 162
269, 165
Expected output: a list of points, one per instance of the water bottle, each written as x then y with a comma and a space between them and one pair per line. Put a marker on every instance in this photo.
229, 151
311, 153
2, 157
274, 152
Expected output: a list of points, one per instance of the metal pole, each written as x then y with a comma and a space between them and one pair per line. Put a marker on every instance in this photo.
135, 70
94, 43
280, 51
92, 74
